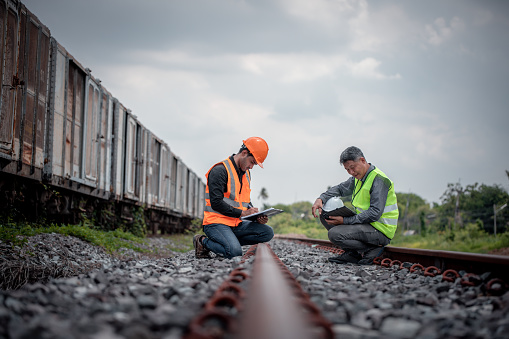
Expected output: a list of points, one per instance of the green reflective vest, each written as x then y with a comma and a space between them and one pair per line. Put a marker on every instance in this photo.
361, 199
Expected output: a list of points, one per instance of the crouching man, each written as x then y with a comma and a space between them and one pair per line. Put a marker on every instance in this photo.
364, 235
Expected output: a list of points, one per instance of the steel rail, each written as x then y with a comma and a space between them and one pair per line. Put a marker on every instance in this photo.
476, 263
271, 310
268, 302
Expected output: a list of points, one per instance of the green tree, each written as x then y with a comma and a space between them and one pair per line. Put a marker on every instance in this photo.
422, 219
473, 205
297, 219
451, 205
297, 210
410, 206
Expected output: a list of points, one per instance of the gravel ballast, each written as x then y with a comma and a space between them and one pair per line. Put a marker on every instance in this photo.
135, 296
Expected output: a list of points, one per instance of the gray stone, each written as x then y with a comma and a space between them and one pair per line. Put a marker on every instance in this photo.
157, 298
146, 301
429, 300
400, 327
14, 305
352, 332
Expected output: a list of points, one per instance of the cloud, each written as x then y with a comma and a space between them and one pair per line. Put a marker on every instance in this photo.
328, 13
439, 31
368, 68
292, 67
281, 67
380, 30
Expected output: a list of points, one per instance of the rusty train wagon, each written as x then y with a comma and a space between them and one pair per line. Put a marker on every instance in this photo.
68, 146
24, 91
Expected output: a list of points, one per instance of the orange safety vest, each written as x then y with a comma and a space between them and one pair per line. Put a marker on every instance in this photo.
232, 196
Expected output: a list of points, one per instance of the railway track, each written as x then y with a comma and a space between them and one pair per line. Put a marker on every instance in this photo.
274, 299
283, 289
273, 292
434, 262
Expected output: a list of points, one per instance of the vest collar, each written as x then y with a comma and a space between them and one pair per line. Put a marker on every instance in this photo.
371, 167
239, 172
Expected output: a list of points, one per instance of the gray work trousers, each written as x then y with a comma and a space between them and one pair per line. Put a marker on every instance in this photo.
359, 237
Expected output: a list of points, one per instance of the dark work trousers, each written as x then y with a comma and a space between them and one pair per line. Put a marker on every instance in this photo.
359, 237
227, 241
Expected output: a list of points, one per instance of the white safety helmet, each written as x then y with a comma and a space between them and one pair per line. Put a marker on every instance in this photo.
331, 205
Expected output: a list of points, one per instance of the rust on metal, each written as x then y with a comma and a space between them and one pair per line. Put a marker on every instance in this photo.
272, 302
211, 324
431, 271
386, 262
443, 260
469, 262
218, 316
230, 287
497, 287
227, 301
450, 275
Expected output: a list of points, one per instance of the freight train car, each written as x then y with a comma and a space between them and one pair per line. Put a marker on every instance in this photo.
68, 147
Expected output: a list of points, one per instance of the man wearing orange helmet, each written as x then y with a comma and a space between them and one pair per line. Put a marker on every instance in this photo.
227, 200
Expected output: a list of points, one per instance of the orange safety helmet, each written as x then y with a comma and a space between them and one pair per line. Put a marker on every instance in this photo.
258, 148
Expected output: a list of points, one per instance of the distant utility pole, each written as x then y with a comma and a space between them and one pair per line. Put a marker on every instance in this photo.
495, 211
457, 218
406, 212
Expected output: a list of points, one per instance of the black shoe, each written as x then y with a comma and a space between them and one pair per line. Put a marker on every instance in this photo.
346, 257
371, 254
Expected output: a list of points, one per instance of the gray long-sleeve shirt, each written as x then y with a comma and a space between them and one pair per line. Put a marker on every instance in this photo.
378, 197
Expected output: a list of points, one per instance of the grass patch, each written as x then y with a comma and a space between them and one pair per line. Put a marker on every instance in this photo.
176, 242
111, 241
285, 223
460, 241
180, 242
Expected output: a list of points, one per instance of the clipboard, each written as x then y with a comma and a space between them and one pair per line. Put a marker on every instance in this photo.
339, 212
268, 212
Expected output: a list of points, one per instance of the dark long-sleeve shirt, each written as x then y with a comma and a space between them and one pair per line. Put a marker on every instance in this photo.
218, 185
378, 198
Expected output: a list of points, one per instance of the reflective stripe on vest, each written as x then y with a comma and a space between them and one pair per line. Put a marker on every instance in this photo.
385, 220
361, 200
232, 196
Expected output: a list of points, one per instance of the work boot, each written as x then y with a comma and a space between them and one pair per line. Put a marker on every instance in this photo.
371, 254
200, 252
346, 257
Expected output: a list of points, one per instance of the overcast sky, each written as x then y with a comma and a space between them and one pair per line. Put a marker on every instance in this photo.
422, 87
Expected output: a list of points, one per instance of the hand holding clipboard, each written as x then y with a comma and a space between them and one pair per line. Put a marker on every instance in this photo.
268, 212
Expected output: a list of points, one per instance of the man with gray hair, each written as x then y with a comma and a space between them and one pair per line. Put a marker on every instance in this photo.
364, 235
